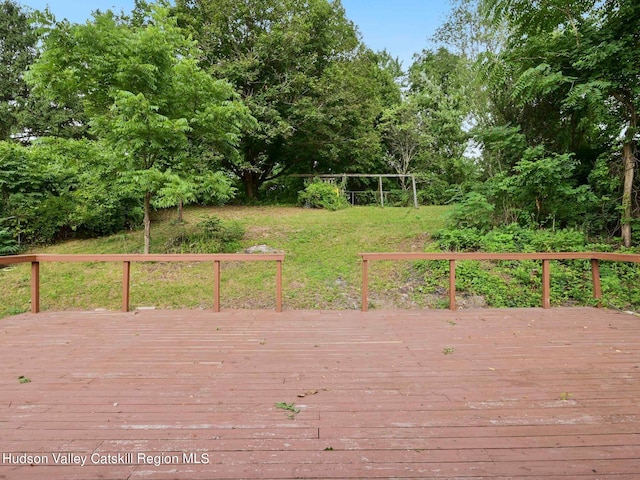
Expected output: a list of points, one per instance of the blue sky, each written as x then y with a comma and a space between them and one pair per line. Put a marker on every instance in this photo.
403, 27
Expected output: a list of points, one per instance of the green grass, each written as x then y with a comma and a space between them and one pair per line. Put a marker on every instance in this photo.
321, 268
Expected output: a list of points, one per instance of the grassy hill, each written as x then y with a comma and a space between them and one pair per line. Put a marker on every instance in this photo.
321, 269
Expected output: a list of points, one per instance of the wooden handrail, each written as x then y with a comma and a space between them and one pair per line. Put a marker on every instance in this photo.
483, 256
453, 257
13, 259
127, 259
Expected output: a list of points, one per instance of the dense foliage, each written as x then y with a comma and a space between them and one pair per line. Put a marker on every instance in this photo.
519, 283
560, 143
304, 74
520, 113
319, 194
210, 235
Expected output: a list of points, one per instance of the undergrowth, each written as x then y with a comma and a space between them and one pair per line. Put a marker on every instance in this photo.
210, 235
519, 283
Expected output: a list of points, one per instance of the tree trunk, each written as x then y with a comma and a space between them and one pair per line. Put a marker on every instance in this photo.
180, 209
250, 180
629, 166
147, 222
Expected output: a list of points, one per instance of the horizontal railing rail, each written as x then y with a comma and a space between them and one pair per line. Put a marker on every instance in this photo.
127, 259
217, 259
453, 257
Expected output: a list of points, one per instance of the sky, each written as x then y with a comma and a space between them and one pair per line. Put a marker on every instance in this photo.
403, 27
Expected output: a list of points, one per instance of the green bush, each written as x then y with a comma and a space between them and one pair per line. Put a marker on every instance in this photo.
320, 194
8, 244
212, 235
512, 238
474, 211
459, 239
60, 188
519, 283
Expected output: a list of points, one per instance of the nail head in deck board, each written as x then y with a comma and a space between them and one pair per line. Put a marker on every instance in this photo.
388, 402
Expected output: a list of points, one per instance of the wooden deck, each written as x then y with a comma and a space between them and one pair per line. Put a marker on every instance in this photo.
535, 393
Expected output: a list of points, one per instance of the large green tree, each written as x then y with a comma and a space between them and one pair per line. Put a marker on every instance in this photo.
18, 40
425, 133
140, 84
23, 115
570, 70
301, 69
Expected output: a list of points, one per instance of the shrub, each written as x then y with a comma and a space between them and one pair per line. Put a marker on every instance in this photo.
518, 283
459, 239
474, 211
212, 235
8, 244
513, 238
320, 194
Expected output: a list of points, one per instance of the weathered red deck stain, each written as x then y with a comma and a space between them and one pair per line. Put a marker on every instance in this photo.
519, 393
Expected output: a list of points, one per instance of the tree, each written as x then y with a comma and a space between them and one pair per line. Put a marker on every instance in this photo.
575, 65
17, 51
140, 84
23, 115
406, 135
300, 68
178, 191
438, 87
469, 32
56, 188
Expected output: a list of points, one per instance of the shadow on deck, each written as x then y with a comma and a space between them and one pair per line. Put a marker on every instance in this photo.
518, 393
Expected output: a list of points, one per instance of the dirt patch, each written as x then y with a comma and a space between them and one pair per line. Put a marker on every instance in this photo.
415, 244
264, 234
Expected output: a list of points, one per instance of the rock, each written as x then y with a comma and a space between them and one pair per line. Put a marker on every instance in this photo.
471, 301
261, 249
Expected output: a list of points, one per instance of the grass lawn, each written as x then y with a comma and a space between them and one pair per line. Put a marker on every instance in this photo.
321, 271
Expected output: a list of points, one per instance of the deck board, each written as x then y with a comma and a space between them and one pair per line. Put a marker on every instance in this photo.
496, 394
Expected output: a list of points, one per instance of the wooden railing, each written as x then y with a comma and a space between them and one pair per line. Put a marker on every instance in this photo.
216, 259
126, 260
594, 257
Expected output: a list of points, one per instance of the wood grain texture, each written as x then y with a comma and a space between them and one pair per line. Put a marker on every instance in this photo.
496, 394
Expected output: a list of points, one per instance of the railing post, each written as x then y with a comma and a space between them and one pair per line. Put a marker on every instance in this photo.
126, 279
216, 285
279, 286
365, 285
35, 287
595, 275
546, 285
452, 285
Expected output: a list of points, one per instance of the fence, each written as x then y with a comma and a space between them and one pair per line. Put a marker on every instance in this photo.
126, 260
545, 258
594, 257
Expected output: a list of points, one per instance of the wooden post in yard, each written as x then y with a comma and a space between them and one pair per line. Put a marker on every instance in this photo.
279, 286
126, 278
595, 275
365, 285
452, 285
216, 285
546, 285
35, 287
